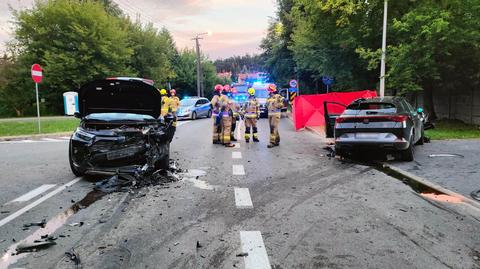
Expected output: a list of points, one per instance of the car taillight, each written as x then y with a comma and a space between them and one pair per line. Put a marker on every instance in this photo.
340, 119
399, 118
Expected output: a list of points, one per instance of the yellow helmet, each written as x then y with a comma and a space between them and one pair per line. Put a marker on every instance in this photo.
163, 92
251, 91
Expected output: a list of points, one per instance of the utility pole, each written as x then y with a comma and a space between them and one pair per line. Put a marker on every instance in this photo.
200, 91
384, 50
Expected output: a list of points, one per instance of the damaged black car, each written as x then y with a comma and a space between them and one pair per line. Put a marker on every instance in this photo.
121, 130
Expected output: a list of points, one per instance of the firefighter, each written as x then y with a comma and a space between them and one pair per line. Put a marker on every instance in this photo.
251, 112
274, 106
165, 108
235, 110
216, 102
174, 104
226, 116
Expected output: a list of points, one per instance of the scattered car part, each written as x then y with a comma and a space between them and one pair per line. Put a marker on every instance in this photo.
41, 224
74, 257
35, 246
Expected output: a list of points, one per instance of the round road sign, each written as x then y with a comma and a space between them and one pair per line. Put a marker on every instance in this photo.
293, 83
37, 74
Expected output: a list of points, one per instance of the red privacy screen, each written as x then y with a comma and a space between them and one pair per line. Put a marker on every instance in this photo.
308, 109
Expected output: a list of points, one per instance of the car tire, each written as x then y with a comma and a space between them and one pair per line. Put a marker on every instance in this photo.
76, 169
164, 163
209, 115
194, 115
408, 154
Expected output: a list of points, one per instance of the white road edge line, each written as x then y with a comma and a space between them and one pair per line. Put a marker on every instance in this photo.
242, 198
238, 170
51, 139
33, 193
252, 243
236, 155
37, 202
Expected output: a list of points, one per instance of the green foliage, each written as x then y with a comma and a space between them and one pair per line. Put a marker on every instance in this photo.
79, 41
240, 64
27, 127
431, 44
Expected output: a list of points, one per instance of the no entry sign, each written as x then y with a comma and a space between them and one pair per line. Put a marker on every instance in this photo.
37, 74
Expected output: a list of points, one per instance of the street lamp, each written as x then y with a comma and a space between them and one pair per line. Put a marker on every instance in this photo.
199, 65
384, 50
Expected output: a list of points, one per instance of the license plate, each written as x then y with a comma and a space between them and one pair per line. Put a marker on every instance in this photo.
366, 135
118, 154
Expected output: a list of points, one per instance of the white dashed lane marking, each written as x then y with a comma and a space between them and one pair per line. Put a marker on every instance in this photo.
37, 202
237, 145
33, 193
236, 155
238, 170
242, 198
252, 243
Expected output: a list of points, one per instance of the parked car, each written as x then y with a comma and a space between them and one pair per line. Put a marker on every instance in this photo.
120, 129
194, 107
386, 123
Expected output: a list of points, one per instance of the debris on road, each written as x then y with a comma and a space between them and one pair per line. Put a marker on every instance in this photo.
41, 224
34, 246
476, 195
445, 155
138, 177
79, 224
74, 257
331, 151
243, 254
199, 245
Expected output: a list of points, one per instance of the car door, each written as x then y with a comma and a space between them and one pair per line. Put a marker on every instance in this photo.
416, 119
203, 107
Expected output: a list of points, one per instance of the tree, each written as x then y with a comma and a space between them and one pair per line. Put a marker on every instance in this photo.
74, 41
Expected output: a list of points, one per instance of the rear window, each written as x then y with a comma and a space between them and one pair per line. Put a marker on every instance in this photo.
371, 106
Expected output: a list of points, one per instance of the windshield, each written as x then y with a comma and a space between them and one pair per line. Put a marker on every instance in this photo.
188, 102
118, 117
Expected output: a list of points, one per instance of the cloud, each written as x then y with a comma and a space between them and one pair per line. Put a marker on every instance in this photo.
234, 23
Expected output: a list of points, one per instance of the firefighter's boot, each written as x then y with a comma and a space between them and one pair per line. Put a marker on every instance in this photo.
255, 135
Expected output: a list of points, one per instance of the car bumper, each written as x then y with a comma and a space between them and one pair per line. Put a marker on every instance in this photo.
385, 141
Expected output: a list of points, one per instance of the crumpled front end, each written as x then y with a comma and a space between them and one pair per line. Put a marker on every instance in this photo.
118, 150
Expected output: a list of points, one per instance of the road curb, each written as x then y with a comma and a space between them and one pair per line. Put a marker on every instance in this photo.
431, 185
37, 136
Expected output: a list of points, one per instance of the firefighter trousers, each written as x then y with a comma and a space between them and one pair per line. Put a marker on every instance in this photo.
251, 123
216, 129
226, 132
274, 121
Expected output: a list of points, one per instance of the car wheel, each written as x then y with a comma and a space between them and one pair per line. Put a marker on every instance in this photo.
194, 115
76, 169
209, 114
421, 141
408, 154
164, 163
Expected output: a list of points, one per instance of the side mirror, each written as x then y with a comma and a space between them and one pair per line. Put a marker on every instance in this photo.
420, 110
77, 115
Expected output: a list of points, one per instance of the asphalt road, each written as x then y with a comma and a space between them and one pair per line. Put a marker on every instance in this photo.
453, 164
244, 207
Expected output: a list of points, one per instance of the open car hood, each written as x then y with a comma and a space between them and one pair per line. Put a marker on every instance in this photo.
119, 96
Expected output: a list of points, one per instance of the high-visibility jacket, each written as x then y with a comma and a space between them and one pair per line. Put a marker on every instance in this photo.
218, 103
174, 103
165, 108
251, 108
275, 104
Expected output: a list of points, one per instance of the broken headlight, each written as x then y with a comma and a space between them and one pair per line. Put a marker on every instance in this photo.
82, 135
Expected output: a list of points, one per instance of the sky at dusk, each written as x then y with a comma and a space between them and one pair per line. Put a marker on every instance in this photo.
237, 26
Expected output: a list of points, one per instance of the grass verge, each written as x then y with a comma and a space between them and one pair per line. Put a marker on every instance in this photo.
30, 127
448, 129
